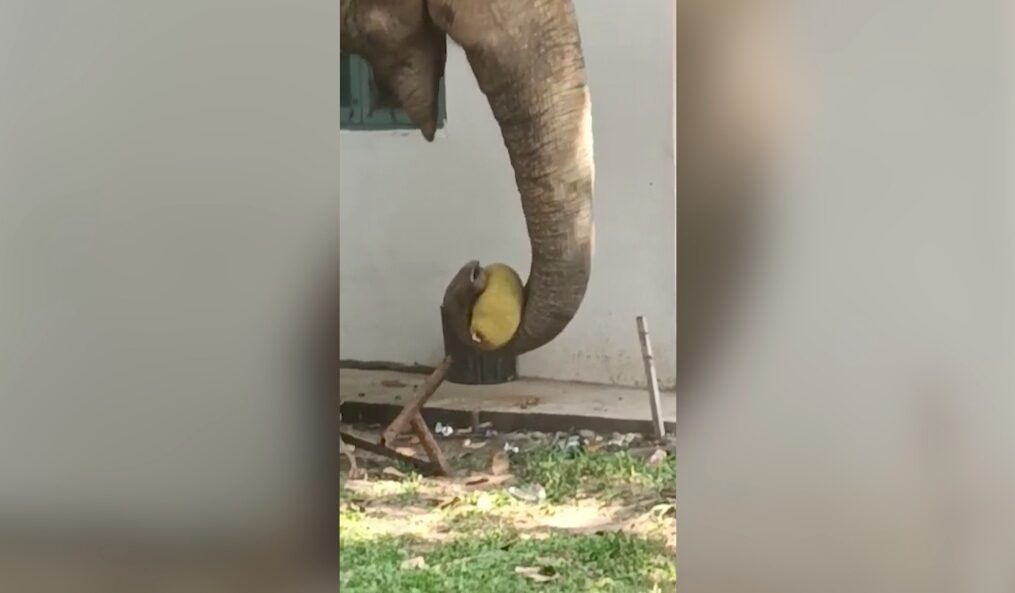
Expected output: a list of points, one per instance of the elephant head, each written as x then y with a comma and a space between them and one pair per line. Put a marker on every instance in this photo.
526, 56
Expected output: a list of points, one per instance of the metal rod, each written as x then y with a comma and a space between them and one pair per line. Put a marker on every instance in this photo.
650, 376
411, 409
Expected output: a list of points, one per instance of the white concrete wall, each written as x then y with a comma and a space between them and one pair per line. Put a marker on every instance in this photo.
412, 213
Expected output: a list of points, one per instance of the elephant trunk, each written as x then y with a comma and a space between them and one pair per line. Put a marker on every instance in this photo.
527, 59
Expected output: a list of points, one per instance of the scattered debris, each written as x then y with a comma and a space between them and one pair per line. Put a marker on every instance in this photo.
475, 480
393, 383
539, 574
534, 493
443, 430
588, 435
510, 448
528, 403
414, 563
393, 472
355, 507
347, 450
571, 443
621, 441
658, 457
357, 473
443, 504
499, 465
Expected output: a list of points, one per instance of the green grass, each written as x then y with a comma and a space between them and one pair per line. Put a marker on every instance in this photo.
482, 538
404, 491
611, 562
567, 475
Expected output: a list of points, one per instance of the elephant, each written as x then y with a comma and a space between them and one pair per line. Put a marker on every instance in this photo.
527, 58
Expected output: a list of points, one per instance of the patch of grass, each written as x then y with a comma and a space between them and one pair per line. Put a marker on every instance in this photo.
471, 521
570, 474
473, 462
607, 563
487, 499
474, 541
407, 494
404, 491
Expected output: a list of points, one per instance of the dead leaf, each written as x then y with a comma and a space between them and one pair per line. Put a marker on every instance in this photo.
477, 445
533, 493
658, 457
499, 465
449, 502
536, 573
476, 480
394, 472
414, 563
355, 506
357, 473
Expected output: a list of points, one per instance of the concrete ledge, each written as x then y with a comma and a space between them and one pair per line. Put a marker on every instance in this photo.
375, 396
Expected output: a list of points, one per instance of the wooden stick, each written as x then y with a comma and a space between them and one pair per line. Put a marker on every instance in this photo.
429, 443
406, 416
650, 377
390, 453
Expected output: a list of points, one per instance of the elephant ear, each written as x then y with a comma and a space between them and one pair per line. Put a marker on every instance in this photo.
406, 52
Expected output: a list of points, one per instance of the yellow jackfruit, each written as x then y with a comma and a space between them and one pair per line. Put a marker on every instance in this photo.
497, 312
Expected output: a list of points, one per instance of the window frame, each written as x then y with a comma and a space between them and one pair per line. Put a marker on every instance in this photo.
359, 116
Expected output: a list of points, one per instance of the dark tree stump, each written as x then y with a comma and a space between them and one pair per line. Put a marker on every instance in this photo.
472, 366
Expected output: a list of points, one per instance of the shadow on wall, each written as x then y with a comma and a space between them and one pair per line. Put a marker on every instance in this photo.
729, 118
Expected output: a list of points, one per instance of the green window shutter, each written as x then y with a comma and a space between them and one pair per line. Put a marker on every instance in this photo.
350, 92
366, 105
346, 92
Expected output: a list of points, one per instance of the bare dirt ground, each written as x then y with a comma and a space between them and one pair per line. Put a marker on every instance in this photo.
560, 489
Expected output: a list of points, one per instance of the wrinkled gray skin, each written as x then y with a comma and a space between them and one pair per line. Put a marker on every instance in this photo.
526, 56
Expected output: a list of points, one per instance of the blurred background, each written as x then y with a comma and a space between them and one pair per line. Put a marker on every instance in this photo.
844, 296
168, 216
845, 292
